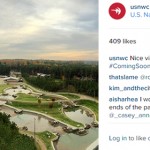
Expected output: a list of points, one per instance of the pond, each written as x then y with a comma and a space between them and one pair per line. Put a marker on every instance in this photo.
66, 142
79, 115
41, 124
7, 111
18, 89
28, 120
75, 142
7, 97
13, 91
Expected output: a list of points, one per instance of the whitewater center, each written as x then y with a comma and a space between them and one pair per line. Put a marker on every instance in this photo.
81, 133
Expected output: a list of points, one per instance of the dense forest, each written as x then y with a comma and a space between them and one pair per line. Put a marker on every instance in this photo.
11, 139
72, 85
62, 75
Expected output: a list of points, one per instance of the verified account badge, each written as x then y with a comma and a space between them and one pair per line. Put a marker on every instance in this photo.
117, 11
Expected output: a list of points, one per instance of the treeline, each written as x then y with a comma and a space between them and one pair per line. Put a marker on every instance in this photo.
44, 83
4, 69
68, 85
63, 76
11, 139
86, 87
56, 70
67, 70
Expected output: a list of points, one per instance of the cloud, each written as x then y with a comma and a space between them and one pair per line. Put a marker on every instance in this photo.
41, 28
69, 55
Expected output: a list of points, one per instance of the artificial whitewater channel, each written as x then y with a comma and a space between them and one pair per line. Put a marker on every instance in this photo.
38, 123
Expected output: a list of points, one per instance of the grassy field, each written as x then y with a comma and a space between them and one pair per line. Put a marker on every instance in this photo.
46, 97
90, 104
70, 96
4, 86
46, 139
26, 97
44, 108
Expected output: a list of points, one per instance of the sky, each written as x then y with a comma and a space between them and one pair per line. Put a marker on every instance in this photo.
49, 29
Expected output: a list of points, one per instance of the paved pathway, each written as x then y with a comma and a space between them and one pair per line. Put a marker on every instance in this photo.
81, 96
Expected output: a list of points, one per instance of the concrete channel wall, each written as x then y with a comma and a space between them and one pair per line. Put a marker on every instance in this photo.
41, 114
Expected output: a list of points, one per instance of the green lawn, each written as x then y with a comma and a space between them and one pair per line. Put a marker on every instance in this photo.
4, 86
46, 97
70, 96
26, 97
43, 108
90, 104
47, 140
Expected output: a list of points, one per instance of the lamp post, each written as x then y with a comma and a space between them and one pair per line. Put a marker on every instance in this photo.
34, 128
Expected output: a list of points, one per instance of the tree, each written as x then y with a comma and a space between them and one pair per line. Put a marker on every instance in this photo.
53, 99
10, 136
39, 101
51, 104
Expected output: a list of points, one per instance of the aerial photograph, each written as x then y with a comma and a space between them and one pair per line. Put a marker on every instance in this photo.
49, 75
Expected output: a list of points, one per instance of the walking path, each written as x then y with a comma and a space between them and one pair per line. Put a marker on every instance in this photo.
47, 93
61, 96
39, 141
81, 96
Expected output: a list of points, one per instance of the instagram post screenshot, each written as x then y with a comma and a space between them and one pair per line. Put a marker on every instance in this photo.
124, 75
49, 75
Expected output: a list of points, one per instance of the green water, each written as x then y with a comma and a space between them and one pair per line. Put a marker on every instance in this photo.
79, 115
75, 142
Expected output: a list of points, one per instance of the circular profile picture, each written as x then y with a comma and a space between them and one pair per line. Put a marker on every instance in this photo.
117, 11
